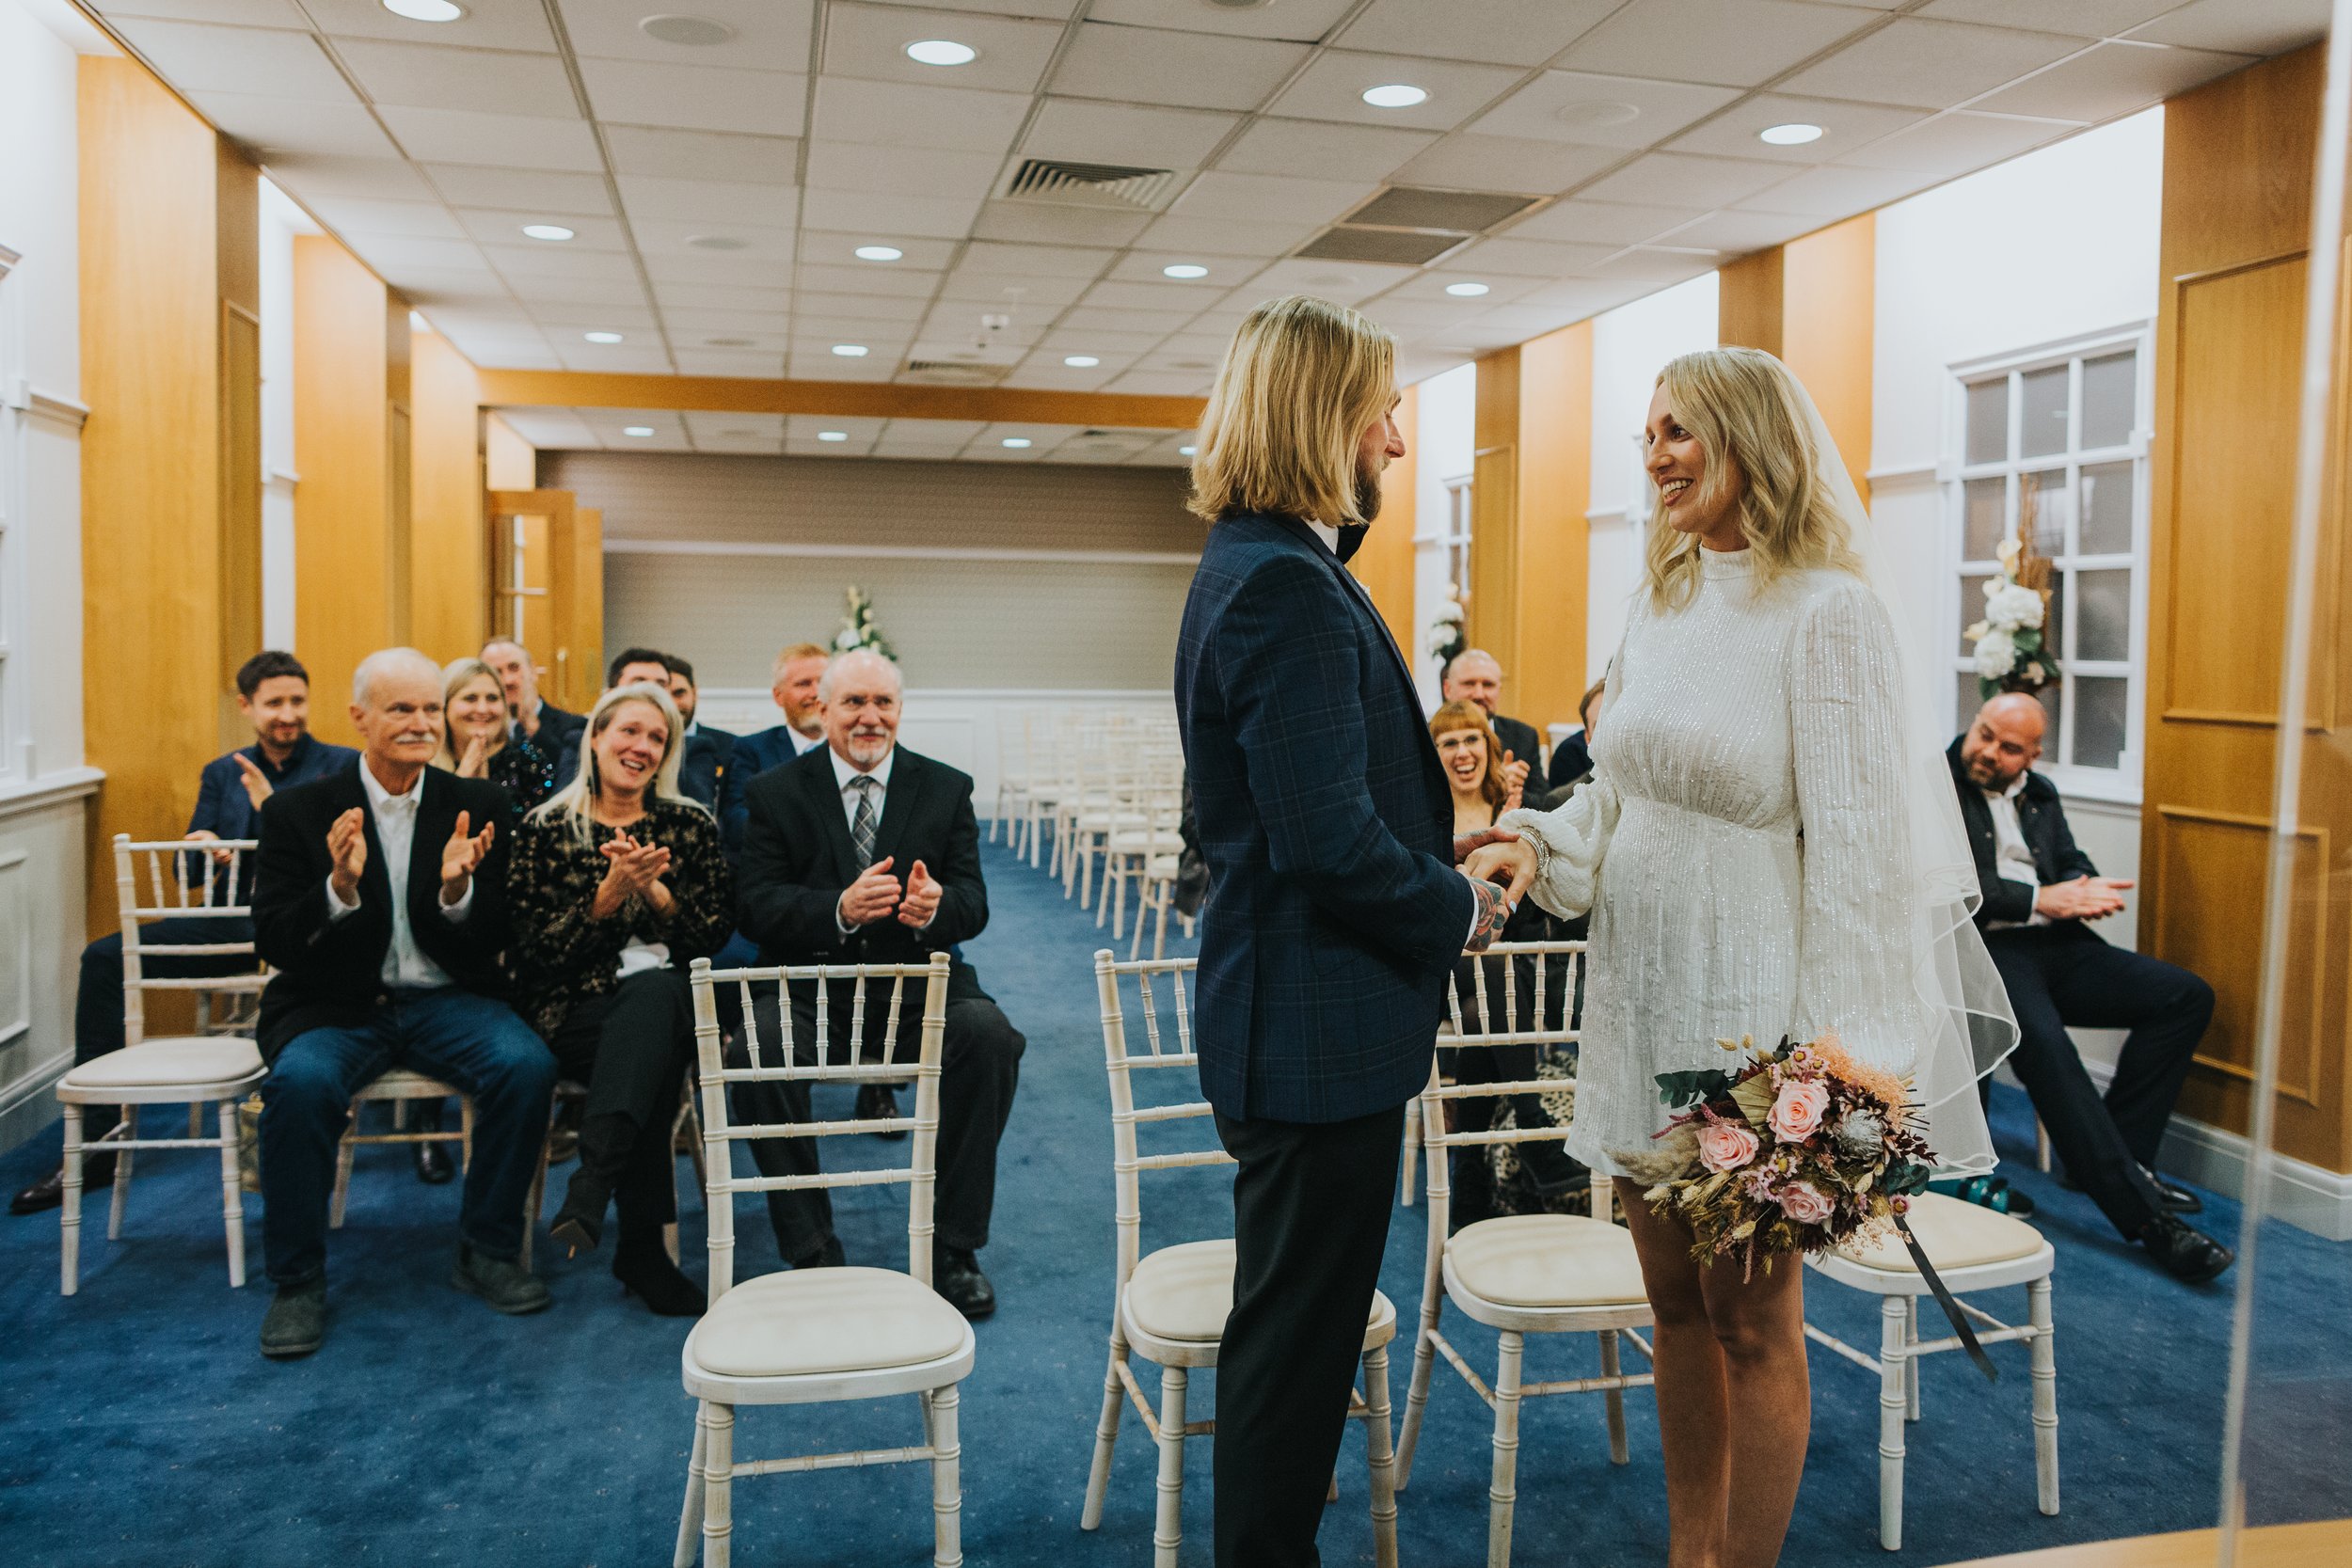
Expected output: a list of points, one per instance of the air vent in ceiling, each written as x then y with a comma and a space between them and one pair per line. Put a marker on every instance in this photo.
948, 373
1403, 248
1067, 182
1410, 227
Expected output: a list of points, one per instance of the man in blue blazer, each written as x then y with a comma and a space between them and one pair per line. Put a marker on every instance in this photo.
800, 671
1335, 913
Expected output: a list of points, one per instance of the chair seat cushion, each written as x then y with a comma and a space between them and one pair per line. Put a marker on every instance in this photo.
1547, 1261
815, 1321
1185, 1293
174, 1059
400, 1084
1954, 1235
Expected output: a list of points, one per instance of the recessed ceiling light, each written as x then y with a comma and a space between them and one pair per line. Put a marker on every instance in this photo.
1184, 269
941, 51
717, 242
602, 337
698, 32
833, 435
1080, 361
426, 11
879, 253
547, 232
1466, 290
636, 430
1795, 133
1016, 443
1186, 452
417, 324
1595, 114
1396, 95
850, 351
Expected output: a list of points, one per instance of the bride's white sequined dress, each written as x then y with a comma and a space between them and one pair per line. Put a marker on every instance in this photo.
1743, 844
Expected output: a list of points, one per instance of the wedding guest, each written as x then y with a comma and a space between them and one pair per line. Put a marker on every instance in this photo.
520, 677
617, 884
866, 852
1475, 777
709, 750
798, 674
1475, 676
273, 696
2042, 893
483, 742
380, 902
1572, 754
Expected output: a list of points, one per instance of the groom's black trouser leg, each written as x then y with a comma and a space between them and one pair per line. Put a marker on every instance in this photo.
1310, 1219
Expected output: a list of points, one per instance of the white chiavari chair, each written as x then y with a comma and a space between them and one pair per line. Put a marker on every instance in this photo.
820, 1336
1170, 1305
1521, 1274
198, 1070
1013, 763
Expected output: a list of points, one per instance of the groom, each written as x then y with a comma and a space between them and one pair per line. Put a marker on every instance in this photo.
1334, 913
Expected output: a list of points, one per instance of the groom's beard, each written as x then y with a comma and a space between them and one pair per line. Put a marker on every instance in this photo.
1367, 493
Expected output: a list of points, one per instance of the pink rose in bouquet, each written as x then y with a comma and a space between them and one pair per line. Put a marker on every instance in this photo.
1797, 1114
1726, 1145
1805, 1203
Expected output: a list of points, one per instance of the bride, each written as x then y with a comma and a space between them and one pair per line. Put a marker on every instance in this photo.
1767, 849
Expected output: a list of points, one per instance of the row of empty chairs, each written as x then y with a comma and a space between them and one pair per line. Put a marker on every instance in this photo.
1105, 787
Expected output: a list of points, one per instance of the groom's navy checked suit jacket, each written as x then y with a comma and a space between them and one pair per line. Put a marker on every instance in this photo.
1334, 913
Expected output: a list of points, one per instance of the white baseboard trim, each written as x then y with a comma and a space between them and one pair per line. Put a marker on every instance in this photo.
28, 1105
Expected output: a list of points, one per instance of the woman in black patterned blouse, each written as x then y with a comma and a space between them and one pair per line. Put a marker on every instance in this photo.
480, 740
617, 884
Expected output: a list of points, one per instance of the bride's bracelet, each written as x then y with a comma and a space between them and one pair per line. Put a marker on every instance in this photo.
1543, 855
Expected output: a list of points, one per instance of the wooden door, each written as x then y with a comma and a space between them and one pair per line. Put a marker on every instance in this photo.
546, 589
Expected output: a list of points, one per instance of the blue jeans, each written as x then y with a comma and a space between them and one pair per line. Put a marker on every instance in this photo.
480, 1046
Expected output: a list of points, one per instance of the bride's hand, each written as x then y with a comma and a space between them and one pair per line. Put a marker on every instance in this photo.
1510, 863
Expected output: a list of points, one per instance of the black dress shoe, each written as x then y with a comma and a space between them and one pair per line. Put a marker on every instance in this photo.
956, 1276
434, 1165
49, 1192
579, 1226
507, 1286
644, 1270
877, 1103
2188, 1255
296, 1323
2177, 1198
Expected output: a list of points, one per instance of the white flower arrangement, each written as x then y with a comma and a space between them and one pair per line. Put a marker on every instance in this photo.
857, 628
1446, 635
2009, 651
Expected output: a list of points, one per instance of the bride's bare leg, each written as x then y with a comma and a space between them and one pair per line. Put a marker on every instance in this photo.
1759, 1324
1694, 1400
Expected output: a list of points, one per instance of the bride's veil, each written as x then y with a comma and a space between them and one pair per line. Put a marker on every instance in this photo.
1966, 1023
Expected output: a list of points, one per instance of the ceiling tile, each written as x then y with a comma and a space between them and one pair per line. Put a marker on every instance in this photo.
1088, 319
709, 201
983, 288
672, 155
1528, 258
768, 35
857, 307
719, 296
1148, 265
1104, 344
1025, 222
634, 322
1602, 111
891, 114
277, 125
1022, 260
1148, 134
1333, 86
1116, 294
2089, 19
1201, 236
1656, 265
1156, 66
434, 76
583, 194
1686, 180
1162, 385
494, 227
918, 253
2112, 79
769, 248
394, 252
417, 219
1269, 197
1959, 142
513, 141
945, 217
1834, 192
1732, 43
1844, 127
704, 98
487, 25
2252, 26
312, 177
1929, 64
1468, 162
1345, 283
197, 58
1585, 222
1734, 233
928, 171
1505, 32
612, 358
870, 42
1300, 20
229, 13
1583, 298
549, 291
1333, 151
525, 260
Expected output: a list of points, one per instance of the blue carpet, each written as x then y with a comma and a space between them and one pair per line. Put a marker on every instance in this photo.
138, 1424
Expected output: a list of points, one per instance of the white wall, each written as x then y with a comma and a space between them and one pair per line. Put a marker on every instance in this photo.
43, 782
1630, 344
1446, 438
281, 220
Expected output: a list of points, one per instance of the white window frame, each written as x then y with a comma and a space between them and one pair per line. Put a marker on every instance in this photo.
2122, 782
15, 405
1454, 534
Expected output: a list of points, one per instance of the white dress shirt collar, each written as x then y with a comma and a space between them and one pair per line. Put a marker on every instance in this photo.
880, 773
1331, 536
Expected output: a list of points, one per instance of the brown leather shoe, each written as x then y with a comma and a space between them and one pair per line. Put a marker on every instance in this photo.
98, 1170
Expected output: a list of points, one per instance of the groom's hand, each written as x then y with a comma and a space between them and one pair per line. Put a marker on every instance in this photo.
1464, 843
1510, 862
1492, 911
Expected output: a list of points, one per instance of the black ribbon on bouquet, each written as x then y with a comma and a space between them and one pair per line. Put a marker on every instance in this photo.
1958, 1318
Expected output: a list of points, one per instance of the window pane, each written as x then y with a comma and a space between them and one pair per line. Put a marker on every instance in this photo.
1988, 421
2052, 699
2101, 705
2106, 509
2053, 618
2047, 495
1965, 700
2110, 399
1987, 519
2044, 430
1971, 610
2105, 604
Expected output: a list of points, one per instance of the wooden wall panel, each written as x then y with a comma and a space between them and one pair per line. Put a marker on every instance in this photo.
1829, 282
1748, 301
1492, 619
237, 257
449, 612
508, 461
1546, 665
1384, 562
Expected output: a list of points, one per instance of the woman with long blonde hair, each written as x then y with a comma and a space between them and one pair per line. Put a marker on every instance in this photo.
478, 740
1769, 846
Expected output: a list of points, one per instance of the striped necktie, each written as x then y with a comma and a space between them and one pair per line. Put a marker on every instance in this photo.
861, 825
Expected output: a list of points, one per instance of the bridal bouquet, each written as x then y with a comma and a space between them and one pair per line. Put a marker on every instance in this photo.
1793, 1151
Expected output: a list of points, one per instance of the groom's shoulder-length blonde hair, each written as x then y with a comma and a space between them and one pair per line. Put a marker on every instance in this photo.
1302, 381
1749, 414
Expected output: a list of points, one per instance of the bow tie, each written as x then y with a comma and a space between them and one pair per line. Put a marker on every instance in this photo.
1351, 539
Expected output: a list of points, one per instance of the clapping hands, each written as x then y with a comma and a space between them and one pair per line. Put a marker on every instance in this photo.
462, 854
875, 895
632, 869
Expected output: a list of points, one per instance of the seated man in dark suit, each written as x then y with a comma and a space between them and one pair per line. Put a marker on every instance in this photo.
2040, 894
799, 672
866, 852
381, 903
1475, 675
556, 731
703, 766
1572, 754
274, 695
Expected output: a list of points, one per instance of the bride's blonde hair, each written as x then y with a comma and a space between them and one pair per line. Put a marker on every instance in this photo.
1749, 415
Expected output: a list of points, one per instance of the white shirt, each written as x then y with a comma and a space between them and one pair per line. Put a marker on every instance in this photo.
2010, 856
396, 818
803, 744
843, 774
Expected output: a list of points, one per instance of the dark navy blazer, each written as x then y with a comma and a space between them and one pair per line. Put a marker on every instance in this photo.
753, 754
1334, 913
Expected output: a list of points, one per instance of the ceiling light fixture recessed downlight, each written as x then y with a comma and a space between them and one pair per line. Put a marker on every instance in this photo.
426, 11
602, 337
1080, 361
640, 431
1795, 133
695, 32
941, 51
552, 232
1017, 442
879, 253
1596, 113
1395, 95
833, 435
1186, 452
1184, 269
1466, 290
850, 351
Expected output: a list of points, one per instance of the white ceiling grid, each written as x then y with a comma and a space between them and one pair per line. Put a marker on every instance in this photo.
718, 193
